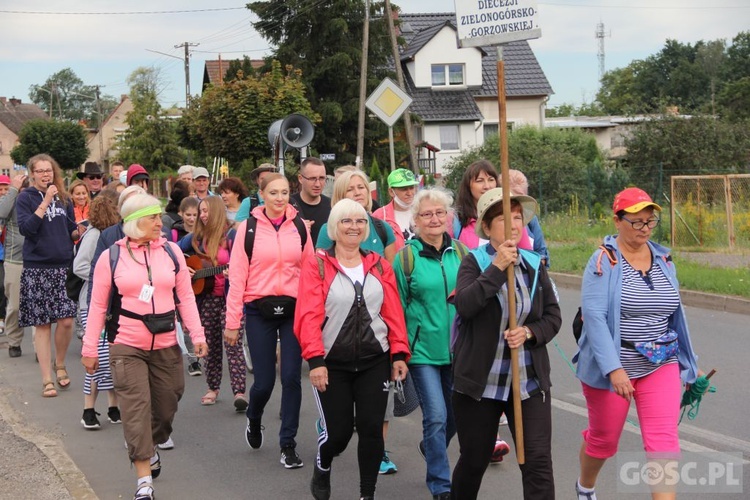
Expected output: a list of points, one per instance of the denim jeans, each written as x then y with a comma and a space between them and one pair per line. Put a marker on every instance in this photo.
434, 385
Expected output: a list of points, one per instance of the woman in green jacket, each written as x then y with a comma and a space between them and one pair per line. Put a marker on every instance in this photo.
426, 270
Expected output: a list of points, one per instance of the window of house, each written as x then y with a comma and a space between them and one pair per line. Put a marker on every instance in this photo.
490, 129
447, 74
449, 137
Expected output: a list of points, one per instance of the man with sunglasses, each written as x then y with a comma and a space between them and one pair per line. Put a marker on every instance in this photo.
92, 176
310, 202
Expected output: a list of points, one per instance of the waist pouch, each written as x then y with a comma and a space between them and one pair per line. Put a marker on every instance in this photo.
656, 351
276, 306
155, 322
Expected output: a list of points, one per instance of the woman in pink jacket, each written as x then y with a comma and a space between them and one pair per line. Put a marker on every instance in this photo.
150, 280
264, 273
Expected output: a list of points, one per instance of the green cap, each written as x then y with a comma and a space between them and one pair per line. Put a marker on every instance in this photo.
401, 177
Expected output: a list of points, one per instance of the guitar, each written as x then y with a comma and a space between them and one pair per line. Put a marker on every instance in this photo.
203, 279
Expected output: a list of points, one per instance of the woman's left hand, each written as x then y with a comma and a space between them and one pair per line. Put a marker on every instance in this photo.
200, 349
399, 370
516, 337
231, 336
91, 364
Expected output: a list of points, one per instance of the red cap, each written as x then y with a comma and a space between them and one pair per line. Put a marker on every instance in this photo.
633, 200
136, 170
4, 179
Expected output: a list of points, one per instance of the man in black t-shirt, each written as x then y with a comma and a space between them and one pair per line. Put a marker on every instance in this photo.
312, 205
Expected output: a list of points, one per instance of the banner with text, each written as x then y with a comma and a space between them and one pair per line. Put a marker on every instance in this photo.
494, 22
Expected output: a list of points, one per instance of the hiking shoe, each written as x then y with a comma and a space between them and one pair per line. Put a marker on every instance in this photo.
156, 465
254, 434
320, 484
14, 351
386, 466
113, 414
89, 420
501, 449
289, 458
420, 448
194, 369
166, 445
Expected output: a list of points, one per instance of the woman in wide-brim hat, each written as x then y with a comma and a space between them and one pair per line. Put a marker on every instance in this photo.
481, 363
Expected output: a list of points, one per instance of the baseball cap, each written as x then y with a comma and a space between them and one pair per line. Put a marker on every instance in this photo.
185, 169
200, 172
4, 179
633, 200
401, 177
495, 196
136, 172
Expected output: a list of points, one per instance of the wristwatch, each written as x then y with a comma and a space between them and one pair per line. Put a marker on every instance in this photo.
529, 335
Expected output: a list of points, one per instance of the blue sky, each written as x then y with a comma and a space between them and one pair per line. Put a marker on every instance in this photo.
105, 49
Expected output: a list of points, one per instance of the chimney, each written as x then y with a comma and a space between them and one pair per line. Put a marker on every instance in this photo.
123, 97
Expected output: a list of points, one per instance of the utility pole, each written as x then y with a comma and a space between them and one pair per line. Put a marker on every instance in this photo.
400, 78
99, 122
363, 88
187, 46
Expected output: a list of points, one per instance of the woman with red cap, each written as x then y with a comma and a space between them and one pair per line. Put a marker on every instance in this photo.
635, 343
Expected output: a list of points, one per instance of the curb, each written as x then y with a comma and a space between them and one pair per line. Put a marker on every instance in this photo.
72, 477
724, 303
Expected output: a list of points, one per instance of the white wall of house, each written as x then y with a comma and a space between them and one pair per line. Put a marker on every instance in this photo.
521, 111
111, 129
442, 49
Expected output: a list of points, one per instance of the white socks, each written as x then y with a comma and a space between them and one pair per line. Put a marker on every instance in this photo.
584, 493
145, 485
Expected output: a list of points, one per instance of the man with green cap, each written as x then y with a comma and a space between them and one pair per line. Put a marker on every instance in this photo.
402, 186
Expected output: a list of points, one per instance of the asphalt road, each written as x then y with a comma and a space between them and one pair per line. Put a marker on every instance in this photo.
211, 459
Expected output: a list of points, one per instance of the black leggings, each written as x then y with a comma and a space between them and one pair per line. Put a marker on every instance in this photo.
366, 393
476, 426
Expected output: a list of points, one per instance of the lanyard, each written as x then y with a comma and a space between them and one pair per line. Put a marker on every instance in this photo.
148, 266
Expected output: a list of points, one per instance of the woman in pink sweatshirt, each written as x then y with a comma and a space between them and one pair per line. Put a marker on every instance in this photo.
150, 280
264, 273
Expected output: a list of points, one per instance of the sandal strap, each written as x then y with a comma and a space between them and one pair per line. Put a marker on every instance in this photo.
59, 367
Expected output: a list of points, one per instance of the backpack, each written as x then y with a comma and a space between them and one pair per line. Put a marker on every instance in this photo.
380, 230
114, 305
73, 282
406, 258
252, 223
578, 320
322, 269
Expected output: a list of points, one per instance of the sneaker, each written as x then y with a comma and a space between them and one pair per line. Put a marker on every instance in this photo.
144, 492
420, 448
240, 403
501, 449
156, 465
320, 484
254, 434
14, 351
89, 420
194, 369
386, 466
584, 495
442, 496
289, 458
113, 414
166, 445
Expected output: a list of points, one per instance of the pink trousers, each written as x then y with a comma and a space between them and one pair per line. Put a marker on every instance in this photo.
657, 400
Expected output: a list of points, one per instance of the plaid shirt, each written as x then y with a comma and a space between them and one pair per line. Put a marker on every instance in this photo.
499, 379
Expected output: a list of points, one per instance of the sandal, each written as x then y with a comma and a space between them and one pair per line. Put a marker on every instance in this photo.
48, 389
210, 398
62, 378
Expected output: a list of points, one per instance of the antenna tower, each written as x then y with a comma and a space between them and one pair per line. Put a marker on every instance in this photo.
600, 35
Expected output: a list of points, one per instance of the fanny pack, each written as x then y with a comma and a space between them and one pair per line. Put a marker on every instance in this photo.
276, 306
656, 351
155, 322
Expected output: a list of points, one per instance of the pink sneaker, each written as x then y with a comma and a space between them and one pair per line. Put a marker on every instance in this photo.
501, 449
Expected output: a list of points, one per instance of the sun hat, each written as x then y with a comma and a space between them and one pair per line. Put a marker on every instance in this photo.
136, 172
401, 177
90, 168
633, 200
4, 179
495, 196
185, 169
200, 172
265, 167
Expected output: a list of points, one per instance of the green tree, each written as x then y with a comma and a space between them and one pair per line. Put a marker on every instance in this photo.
734, 100
324, 41
151, 138
64, 141
64, 96
617, 94
245, 66
232, 120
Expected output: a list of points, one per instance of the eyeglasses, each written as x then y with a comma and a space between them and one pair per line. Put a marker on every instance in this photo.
320, 179
639, 224
49, 171
94, 176
353, 222
427, 216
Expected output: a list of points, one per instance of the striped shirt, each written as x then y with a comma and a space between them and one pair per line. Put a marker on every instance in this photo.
647, 303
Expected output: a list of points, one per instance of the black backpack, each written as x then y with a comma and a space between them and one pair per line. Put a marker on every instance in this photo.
252, 224
578, 320
74, 283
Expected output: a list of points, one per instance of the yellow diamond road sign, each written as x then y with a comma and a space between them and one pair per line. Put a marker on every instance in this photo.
388, 101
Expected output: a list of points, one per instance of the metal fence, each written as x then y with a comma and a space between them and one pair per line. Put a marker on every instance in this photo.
711, 211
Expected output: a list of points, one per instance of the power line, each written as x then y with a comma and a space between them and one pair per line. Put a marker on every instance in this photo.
646, 7
123, 13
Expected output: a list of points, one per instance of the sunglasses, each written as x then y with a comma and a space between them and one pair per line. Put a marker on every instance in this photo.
94, 176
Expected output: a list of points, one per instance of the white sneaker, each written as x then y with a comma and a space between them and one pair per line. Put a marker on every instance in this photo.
166, 445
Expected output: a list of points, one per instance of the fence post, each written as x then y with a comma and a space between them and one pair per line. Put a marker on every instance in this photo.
660, 195
589, 189
730, 218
